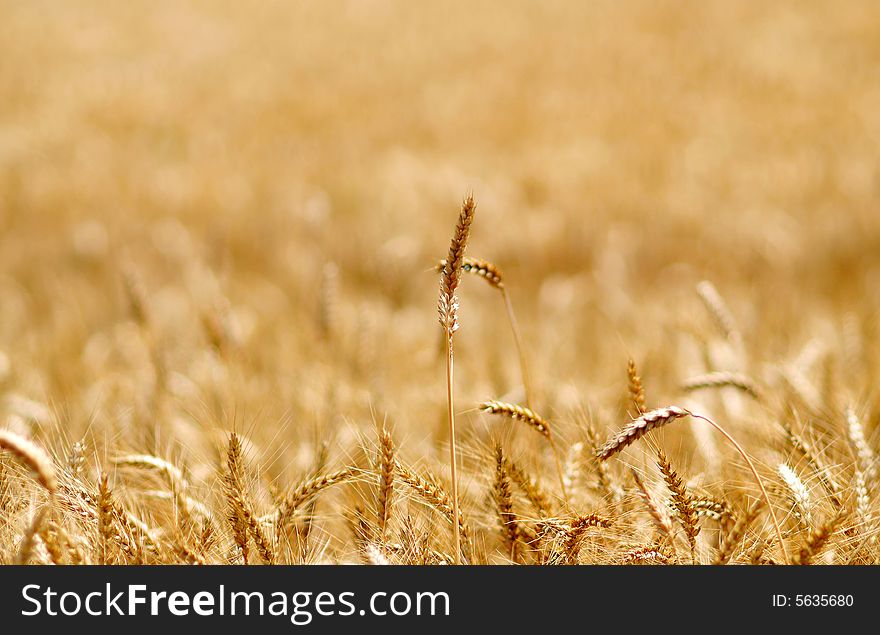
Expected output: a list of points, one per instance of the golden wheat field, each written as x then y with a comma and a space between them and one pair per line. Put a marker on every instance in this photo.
226, 231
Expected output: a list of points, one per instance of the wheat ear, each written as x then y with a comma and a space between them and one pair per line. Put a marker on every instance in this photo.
386, 479
719, 311
664, 416
503, 495
723, 379
33, 457
534, 421
682, 502
448, 310
437, 498
636, 389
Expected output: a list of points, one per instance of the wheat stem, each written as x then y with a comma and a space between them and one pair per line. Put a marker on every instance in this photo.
754, 471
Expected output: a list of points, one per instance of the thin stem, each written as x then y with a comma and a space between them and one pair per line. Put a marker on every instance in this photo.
757, 479
559, 469
517, 338
456, 537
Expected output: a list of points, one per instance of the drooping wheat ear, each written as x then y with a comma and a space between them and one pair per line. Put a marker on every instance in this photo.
186, 504
482, 268
575, 534
817, 541
232, 482
534, 421
636, 389
805, 449
682, 502
856, 433
503, 495
639, 428
307, 490
518, 413
386, 479
719, 311
448, 310
723, 379
436, 497
798, 493
530, 488
658, 514
33, 457
171, 473
663, 416
732, 538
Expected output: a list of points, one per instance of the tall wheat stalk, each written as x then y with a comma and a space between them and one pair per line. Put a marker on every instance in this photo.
448, 310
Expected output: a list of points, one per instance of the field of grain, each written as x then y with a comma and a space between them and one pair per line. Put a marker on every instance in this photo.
221, 234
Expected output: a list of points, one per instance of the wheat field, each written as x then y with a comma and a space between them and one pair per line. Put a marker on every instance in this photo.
222, 230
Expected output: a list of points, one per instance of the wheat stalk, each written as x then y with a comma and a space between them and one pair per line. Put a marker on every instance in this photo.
448, 310
664, 416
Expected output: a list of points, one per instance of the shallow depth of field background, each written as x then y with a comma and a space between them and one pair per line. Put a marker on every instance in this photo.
296, 169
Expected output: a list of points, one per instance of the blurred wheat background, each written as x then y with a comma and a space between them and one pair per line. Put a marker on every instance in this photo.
217, 217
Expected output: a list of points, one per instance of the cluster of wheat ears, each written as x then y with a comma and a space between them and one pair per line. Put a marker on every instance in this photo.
614, 499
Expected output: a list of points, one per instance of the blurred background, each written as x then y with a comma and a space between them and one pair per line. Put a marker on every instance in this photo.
300, 166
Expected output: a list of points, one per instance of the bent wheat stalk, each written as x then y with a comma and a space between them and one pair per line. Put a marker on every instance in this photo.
664, 416
448, 310
492, 275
